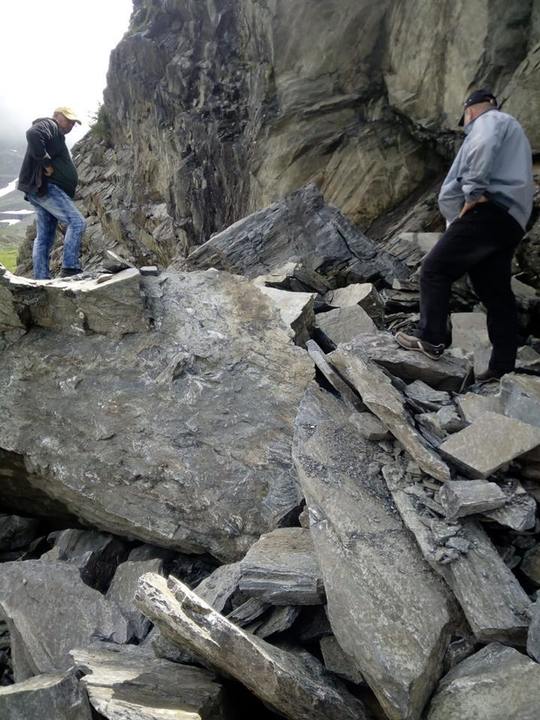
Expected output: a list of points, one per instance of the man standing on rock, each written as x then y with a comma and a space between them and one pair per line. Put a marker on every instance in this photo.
48, 178
486, 199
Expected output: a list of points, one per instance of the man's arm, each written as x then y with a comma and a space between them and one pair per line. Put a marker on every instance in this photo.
38, 136
483, 144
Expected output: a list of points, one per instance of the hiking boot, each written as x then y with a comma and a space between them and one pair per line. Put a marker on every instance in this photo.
411, 342
69, 272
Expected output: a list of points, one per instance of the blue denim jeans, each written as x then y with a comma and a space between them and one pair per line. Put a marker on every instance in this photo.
52, 207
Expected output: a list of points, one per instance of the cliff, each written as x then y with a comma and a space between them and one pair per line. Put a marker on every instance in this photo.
215, 109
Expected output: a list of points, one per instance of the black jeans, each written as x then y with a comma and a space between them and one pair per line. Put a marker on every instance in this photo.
482, 244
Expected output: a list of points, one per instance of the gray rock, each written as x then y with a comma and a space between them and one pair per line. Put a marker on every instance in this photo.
533, 638
111, 305
447, 373
378, 394
412, 247
473, 406
520, 397
519, 513
220, 587
300, 227
279, 620
16, 531
45, 697
248, 613
363, 294
294, 686
96, 554
468, 497
344, 324
349, 397
281, 569
489, 443
387, 609
469, 333
114, 263
493, 601
293, 276
496, 683
369, 426
295, 309
165, 649
426, 396
442, 422
130, 434
338, 662
122, 593
530, 565
126, 683
50, 611
149, 270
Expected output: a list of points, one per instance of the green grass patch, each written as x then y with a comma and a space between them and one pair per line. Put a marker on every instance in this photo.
8, 257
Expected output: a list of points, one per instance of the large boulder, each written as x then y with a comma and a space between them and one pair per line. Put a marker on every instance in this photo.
45, 697
179, 435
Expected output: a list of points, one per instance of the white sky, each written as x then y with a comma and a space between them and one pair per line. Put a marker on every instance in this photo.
55, 52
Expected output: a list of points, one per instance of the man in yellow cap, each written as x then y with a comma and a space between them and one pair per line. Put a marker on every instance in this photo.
48, 179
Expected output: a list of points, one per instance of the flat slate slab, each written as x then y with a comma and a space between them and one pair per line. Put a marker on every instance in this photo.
125, 682
496, 683
45, 697
343, 324
468, 497
490, 442
382, 398
388, 610
282, 569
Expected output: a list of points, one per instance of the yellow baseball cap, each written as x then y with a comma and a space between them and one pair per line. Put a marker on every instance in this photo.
68, 113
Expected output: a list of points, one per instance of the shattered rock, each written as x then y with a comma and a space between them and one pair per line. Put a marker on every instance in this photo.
124, 682
473, 406
279, 620
412, 247
45, 697
489, 443
281, 569
349, 397
496, 683
426, 396
387, 609
468, 497
294, 686
299, 227
344, 324
378, 394
442, 422
494, 603
531, 565
50, 611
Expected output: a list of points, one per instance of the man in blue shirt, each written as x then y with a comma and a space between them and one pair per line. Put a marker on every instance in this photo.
486, 199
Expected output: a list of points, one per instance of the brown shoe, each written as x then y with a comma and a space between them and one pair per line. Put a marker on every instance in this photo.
411, 342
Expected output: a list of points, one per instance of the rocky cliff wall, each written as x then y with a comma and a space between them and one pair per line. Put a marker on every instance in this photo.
215, 108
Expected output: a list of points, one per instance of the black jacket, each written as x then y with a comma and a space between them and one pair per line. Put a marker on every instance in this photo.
46, 146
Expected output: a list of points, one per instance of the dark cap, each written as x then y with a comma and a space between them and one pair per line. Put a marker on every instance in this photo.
478, 96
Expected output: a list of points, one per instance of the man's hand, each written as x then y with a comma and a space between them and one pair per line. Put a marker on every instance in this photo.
469, 205
48, 170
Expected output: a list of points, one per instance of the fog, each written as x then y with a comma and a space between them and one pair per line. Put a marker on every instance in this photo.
55, 53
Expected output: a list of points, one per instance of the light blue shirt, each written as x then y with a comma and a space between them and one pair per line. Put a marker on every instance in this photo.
495, 160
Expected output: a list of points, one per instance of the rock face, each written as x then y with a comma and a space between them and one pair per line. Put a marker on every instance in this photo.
221, 381
213, 111
387, 609
294, 685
